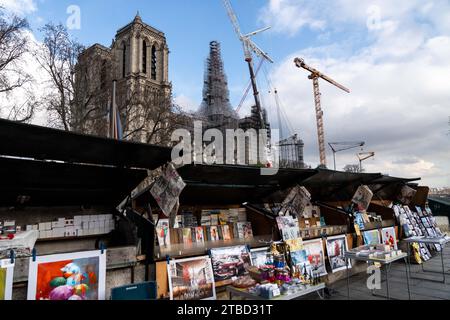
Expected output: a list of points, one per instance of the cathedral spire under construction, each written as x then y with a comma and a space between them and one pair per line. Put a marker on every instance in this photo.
216, 108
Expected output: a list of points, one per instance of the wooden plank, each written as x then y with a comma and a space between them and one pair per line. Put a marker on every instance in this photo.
116, 258
162, 279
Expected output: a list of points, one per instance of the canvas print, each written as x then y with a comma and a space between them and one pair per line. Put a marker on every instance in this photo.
230, 262
388, 237
316, 256
191, 279
299, 259
336, 247
371, 237
261, 256
69, 276
163, 232
6, 279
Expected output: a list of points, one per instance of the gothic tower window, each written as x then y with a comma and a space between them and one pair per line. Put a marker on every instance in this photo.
144, 56
124, 60
153, 62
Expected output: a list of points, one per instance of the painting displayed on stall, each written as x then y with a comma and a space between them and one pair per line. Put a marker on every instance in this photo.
6, 279
300, 260
336, 247
163, 232
316, 256
388, 236
191, 279
288, 227
261, 257
68, 276
230, 262
371, 237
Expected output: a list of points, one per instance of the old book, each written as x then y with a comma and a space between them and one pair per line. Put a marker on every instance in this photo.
187, 235
214, 233
226, 232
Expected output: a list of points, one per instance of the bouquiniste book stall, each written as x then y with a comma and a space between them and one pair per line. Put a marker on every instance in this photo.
245, 235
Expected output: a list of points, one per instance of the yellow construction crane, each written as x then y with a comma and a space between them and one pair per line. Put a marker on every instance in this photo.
314, 76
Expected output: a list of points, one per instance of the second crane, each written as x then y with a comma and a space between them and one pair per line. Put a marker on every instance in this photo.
314, 76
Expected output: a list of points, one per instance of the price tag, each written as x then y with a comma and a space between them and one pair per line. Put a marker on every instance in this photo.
276, 292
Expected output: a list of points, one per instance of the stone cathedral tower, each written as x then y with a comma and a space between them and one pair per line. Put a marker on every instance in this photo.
138, 59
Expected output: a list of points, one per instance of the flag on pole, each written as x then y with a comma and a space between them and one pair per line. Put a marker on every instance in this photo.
115, 128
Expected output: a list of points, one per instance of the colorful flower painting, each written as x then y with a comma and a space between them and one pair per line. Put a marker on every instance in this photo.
71, 276
191, 279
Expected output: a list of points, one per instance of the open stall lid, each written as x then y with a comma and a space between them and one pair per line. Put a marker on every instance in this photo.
226, 184
41, 143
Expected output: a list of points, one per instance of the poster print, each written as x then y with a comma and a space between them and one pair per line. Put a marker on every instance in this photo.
6, 279
163, 232
362, 197
261, 257
336, 248
230, 262
371, 237
191, 279
388, 237
316, 256
68, 276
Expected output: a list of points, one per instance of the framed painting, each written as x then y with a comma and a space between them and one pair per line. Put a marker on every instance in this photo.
191, 279
316, 256
260, 256
6, 279
68, 276
230, 262
336, 248
388, 237
371, 237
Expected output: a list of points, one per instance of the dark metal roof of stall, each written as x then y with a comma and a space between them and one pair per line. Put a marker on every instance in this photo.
328, 185
30, 141
226, 184
54, 184
388, 188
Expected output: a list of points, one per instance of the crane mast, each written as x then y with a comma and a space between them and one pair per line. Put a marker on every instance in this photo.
314, 76
249, 46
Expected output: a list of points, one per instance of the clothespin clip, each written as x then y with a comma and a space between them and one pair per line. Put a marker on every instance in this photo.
168, 259
33, 254
12, 256
248, 247
102, 247
209, 253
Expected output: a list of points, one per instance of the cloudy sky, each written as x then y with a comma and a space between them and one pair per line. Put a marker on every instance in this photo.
393, 55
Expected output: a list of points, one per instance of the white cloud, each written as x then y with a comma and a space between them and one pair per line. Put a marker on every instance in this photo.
19, 7
288, 16
186, 103
400, 94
